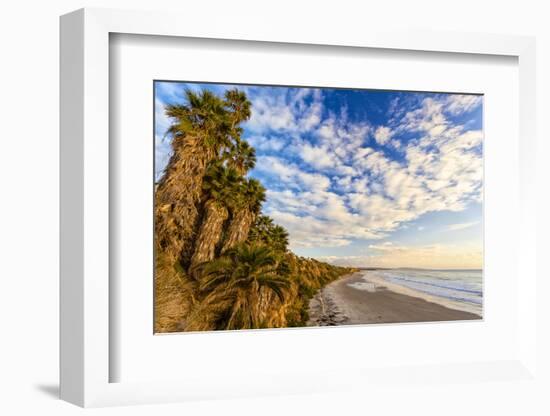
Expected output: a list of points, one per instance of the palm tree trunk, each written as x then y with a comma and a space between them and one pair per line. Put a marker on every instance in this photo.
271, 310
177, 198
238, 230
172, 296
209, 233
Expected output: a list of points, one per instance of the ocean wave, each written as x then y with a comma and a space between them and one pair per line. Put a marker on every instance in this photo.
460, 289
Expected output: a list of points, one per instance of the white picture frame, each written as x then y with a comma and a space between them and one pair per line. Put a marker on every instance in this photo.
85, 165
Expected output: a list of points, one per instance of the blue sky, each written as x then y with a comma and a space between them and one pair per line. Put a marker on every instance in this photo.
363, 177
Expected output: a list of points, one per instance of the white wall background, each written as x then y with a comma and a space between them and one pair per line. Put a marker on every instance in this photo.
29, 57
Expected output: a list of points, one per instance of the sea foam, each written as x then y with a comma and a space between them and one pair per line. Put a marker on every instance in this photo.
456, 289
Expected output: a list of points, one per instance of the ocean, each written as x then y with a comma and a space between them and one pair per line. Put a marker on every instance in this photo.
459, 289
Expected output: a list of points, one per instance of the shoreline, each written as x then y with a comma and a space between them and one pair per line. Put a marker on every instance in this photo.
351, 300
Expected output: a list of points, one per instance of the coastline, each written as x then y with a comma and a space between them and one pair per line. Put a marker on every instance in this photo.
351, 300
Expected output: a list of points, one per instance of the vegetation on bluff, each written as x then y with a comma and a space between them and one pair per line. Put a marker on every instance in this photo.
220, 263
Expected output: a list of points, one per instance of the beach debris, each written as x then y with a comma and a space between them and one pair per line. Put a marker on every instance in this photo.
325, 312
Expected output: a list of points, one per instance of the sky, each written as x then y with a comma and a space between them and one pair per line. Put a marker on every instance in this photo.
363, 178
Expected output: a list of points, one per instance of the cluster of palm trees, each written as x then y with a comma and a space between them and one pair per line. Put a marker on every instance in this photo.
206, 138
220, 264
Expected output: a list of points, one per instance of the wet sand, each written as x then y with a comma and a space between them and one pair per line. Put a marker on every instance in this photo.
367, 303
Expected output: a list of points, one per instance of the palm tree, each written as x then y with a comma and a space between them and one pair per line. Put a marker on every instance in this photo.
239, 106
234, 288
278, 238
201, 130
266, 232
247, 206
259, 230
242, 157
173, 295
219, 190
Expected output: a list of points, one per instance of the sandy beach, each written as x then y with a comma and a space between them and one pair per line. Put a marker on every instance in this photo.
354, 300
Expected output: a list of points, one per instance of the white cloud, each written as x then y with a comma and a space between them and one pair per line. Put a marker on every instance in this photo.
163, 150
317, 218
318, 157
424, 256
462, 226
311, 117
341, 137
382, 135
271, 114
345, 170
272, 143
325, 224
291, 174
396, 144
379, 212
442, 170
459, 104
430, 116
386, 246
427, 118
162, 121
361, 152
283, 110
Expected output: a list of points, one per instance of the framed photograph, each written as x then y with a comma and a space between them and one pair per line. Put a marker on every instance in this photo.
243, 215
280, 207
